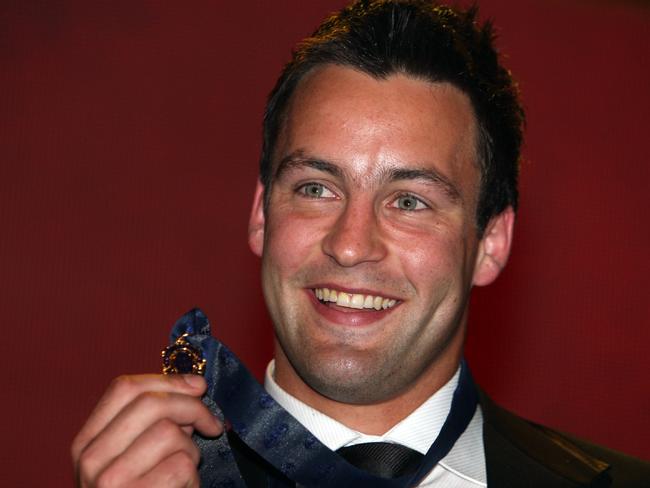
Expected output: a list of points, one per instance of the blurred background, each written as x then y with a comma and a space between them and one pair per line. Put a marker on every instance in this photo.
129, 139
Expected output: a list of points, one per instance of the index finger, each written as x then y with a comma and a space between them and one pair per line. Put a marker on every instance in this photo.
122, 391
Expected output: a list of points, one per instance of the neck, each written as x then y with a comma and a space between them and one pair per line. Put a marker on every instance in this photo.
376, 418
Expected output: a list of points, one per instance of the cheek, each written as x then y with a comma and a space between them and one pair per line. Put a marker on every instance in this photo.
289, 244
431, 263
425, 253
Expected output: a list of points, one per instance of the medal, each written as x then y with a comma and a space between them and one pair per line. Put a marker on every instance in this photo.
182, 358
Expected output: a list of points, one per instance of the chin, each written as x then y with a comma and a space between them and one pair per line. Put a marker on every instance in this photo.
350, 381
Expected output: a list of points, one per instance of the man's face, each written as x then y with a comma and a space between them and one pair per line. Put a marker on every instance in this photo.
369, 246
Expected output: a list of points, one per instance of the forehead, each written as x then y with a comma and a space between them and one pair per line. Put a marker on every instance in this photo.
366, 125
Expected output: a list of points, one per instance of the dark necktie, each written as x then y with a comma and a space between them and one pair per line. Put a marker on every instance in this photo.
382, 459
278, 438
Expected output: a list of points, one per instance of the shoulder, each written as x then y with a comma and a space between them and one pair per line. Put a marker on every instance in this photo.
623, 470
517, 449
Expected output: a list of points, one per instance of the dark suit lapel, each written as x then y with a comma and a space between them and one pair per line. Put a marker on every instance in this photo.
520, 453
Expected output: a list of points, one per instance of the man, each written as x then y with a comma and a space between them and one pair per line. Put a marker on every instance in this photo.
388, 190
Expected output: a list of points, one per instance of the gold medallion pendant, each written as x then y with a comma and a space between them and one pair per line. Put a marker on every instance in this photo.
182, 358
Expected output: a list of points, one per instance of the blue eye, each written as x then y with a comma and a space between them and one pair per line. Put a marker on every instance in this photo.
315, 190
409, 203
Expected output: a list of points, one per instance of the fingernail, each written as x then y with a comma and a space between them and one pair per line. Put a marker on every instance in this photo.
193, 380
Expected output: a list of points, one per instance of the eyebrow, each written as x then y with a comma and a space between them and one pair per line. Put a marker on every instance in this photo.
298, 159
427, 175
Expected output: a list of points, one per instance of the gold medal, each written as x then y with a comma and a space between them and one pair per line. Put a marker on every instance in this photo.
182, 358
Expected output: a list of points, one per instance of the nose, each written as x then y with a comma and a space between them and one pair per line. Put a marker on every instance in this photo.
355, 236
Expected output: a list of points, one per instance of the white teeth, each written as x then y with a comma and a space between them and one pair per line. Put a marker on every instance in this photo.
343, 300
355, 300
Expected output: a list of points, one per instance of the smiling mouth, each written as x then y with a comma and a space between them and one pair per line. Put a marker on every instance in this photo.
353, 300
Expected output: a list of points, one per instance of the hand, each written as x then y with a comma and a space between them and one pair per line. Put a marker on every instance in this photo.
140, 433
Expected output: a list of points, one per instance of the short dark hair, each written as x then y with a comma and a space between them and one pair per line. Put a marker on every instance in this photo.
425, 40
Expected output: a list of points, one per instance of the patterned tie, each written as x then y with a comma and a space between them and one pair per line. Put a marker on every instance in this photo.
264, 426
382, 459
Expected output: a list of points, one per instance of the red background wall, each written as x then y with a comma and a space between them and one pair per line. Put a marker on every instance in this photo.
129, 136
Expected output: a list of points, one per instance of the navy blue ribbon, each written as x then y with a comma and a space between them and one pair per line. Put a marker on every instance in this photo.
264, 426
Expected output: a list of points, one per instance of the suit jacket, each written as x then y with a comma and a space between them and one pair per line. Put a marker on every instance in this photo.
518, 453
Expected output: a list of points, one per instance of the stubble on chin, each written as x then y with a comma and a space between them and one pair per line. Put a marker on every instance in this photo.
345, 373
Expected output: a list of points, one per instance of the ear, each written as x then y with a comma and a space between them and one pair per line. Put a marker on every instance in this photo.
256, 221
494, 248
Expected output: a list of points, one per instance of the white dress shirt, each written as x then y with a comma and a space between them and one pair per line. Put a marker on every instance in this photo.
462, 467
